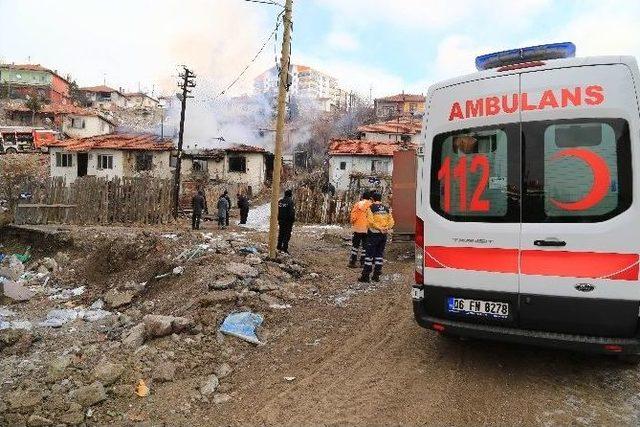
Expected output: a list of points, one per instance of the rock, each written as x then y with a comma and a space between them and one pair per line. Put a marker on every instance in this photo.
89, 395
214, 298
14, 420
107, 372
209, 385
11, 268
261, 285
97, 305
136, 287
57, 368
23, 344
165, 371
49, 263
23, 399
58, 317
253, 260
135, 337
115, 298
74, 415
225, 282
221, 398
223, 370
178, 270
9, 337
148, 305
123, 390
61, 258
270, 300
38, 421
16, 291
241, 270
157, 325
180, 324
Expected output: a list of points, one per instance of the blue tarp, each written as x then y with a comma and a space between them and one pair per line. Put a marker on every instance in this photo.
242, 325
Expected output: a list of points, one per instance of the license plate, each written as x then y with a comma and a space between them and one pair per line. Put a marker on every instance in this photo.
477, 307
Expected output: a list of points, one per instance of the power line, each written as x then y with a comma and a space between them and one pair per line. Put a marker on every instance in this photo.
265, 2
274, 32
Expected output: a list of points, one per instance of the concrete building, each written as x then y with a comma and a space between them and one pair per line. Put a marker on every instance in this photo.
104, 97
140, 100
109, 156
400, 130
237, 164
349, 158
402, 104
24, 80
85, 124
306, 83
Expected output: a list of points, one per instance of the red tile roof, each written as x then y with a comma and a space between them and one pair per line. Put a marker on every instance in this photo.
116, 141
405, 126
101, 88
244, 148
361, 147
31, 67
403, 97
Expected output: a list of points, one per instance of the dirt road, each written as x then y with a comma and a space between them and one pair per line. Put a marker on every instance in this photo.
368, 363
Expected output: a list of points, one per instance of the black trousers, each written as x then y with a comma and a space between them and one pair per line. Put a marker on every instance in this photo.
244, 213
226, 219
284, 234
195, 220
374, 257
358, 247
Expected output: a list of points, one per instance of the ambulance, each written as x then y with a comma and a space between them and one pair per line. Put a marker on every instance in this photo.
528, 202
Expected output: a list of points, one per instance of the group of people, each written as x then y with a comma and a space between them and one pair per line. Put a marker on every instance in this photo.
371, 222
199, 206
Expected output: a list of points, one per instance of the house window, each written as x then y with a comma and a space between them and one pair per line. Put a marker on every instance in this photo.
238, 164
105, 161
144, 161
198, 165
343, 165
77, 123
173, 161
379, 166
64, 160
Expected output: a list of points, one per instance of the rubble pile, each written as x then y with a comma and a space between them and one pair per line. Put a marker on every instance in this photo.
90, 332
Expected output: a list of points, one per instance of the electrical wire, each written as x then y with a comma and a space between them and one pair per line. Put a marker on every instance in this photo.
244, 70
274, 3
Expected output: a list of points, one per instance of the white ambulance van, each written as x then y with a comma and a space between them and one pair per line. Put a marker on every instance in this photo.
528, 202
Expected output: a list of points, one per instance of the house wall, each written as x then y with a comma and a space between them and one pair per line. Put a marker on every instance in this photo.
340, 178
254, 175
68, 173
93, 125
141, 102
160, 168
116, 101
376, 136
60, 86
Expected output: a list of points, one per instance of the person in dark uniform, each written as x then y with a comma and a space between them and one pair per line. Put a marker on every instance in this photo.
225, 194
243, 205
380, 222
198, 205
286, 218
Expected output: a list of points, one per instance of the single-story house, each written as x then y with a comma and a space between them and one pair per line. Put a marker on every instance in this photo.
402, 129
235, 164
104, 97
140, 100
351, 157
85, 124
112, 155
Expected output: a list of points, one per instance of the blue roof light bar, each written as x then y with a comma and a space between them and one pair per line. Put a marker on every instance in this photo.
525, 54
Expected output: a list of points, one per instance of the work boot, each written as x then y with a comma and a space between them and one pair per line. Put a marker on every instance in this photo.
364, 278
352, 262
376, 276
361, 261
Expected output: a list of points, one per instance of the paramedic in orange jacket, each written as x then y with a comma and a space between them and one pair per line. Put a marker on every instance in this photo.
380, 222
359, 226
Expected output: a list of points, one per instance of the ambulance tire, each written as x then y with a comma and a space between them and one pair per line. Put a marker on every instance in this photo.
629, 359
11, 151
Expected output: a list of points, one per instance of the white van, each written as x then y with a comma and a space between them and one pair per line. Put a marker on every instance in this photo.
528, 203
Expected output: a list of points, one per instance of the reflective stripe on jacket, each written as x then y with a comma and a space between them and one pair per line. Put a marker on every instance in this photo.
359, 222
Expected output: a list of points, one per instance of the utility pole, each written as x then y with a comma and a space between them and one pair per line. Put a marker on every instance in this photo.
186, 83
277, 161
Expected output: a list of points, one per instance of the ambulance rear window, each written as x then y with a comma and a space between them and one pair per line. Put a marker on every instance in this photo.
577, 171
473, 175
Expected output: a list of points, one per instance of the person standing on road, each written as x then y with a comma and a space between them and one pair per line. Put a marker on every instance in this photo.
198, 205
243, 205
223, 211
359, 226
286, 218
225, 194
380, 222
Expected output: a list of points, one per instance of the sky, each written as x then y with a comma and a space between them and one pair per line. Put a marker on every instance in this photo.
382, 46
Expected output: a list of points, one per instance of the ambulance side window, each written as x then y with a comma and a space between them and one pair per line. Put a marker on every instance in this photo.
474, 174
576, 170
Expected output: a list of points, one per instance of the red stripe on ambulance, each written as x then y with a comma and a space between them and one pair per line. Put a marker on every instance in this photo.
588, 265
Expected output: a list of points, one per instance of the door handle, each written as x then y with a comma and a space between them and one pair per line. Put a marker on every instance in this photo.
550, 242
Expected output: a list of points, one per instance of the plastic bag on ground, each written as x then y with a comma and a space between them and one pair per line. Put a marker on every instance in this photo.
242, 325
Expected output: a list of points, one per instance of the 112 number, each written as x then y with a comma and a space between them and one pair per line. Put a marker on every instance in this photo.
478, 162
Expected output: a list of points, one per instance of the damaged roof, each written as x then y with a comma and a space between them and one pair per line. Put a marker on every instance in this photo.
403, 97
116, 141
244, 148
405, 126
362, 147
139, 95
101, 88
217, 152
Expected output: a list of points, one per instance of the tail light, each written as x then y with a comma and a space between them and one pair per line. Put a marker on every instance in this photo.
419, 254
612, 348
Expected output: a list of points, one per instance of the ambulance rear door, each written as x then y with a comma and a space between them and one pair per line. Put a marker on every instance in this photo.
581, 218
472, 215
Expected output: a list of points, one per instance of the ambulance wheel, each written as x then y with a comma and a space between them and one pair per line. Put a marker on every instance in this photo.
629, 359
11, 151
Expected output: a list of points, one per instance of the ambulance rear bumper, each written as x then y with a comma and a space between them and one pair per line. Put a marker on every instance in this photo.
583, 343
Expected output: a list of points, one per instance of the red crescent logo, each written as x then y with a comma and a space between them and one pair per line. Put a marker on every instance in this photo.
601, 179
